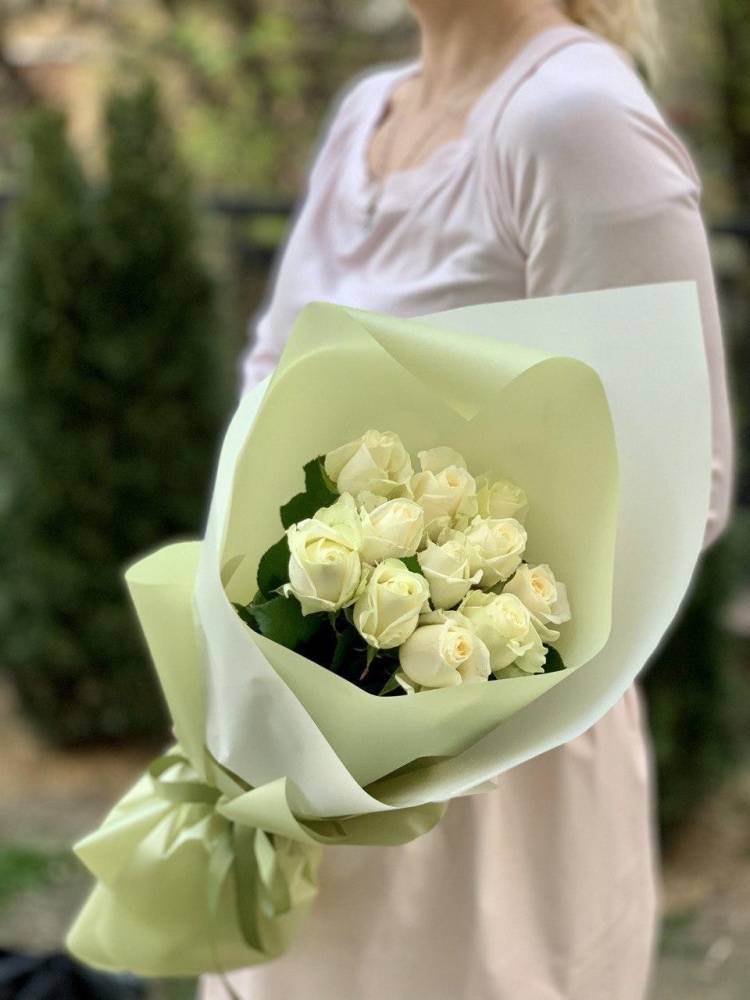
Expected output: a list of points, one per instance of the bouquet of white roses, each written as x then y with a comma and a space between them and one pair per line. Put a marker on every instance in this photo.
329, 686
406, 582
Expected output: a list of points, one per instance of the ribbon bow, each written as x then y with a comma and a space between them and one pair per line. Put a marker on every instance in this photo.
245, 852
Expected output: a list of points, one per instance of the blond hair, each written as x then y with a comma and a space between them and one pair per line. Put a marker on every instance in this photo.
631, 24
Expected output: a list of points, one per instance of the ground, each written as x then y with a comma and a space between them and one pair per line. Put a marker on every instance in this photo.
49, 799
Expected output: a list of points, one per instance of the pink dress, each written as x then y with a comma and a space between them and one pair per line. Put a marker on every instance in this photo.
566, 179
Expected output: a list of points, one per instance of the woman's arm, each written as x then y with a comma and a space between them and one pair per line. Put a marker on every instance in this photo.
601, 193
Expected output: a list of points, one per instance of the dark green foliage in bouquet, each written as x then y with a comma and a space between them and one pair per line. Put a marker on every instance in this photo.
329, 638
112, 409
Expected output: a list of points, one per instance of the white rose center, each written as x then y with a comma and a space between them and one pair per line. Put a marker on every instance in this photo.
507, 539
323, 551
401, 586
544, 589
457, 648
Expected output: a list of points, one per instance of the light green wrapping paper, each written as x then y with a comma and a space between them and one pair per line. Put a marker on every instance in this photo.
274, 751
166, 899
164, 902
540, 420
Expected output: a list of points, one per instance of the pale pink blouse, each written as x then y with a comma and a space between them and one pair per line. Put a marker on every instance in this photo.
566, 179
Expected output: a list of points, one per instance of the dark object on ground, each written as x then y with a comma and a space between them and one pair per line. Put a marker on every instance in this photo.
56, 976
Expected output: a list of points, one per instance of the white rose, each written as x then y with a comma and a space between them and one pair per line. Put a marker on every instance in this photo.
501, 498
448, 571
497, 546
376, 463
393, 530
443, 489
444, 655
504, 624
324, 565
344, 517
387, 611
544, 596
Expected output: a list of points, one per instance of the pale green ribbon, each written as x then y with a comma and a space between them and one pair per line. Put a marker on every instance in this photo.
247, 847
243, 851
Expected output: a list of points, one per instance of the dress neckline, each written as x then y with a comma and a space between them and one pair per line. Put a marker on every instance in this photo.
540, 44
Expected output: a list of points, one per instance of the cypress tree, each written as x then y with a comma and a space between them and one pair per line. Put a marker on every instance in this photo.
113, 419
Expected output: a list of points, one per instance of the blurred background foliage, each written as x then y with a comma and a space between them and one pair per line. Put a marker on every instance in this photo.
112, 406
150, 155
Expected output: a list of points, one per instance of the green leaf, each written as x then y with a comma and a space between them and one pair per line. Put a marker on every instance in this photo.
412, 563
298, 509
390, 685
319, 492
281, 619
246, 614
273, 569
316, 477
554, 661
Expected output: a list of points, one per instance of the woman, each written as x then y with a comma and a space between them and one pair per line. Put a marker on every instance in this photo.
519, 156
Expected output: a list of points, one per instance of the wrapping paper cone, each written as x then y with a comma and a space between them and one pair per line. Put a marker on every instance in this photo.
597, 404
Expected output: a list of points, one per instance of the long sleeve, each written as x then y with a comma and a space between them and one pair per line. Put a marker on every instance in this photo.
269, 326
601, 193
